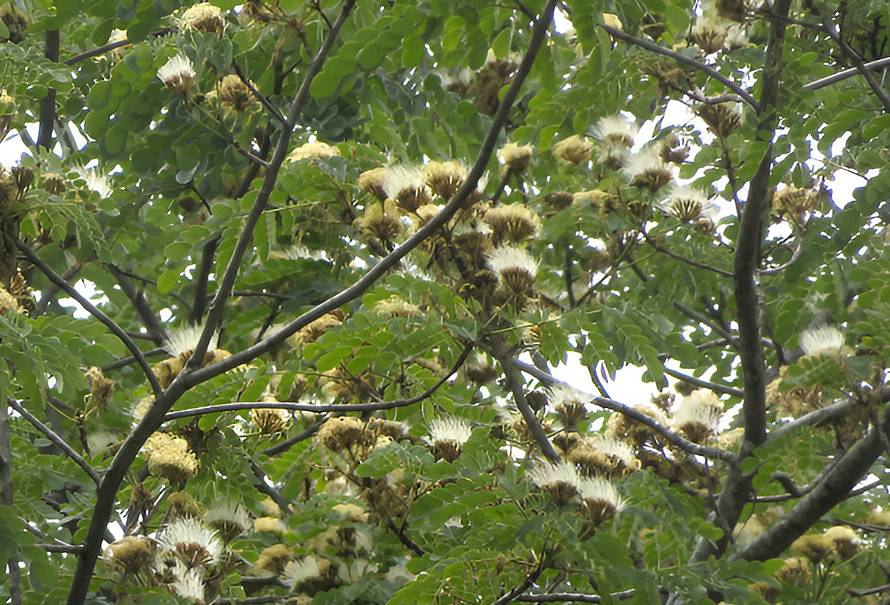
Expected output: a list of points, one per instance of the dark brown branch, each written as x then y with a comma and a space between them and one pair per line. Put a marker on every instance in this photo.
55, 439
121, 363
224, 291
101, 50
89, 307
630, 412
826, 414
704, 384
524, 585
50, 294
65, 548
514, 383
833, 489
313, 408
262, 98
737, 488
200, 300
875, 86
288, 443
140, 304
661, 50
48, 103
263, 487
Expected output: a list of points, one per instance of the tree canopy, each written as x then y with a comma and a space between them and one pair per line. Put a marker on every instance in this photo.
285, 284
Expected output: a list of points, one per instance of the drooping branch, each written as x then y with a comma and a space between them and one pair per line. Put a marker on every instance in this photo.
661, 50
313, 408
95, 312
631, 412
55, 439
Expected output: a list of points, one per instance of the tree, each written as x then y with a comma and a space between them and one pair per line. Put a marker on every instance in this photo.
271, 334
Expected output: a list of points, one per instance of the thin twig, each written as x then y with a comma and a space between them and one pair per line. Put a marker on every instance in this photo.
92, 310
630, 412
261, 97
689, 261
292, 441
651, 46
322, 408
101, 50
847, 73
524, 585
55, 439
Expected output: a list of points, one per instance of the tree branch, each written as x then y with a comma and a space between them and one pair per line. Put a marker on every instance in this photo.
630, 412
89, 307
140, 304
829, 29
829, 492
847, 73
48, 103
738, 485
200, 300
55, 439
101, 50
217, 306
514, 383
661, 50
524, 585
704, 384
262, 98
577, 597
288, 443
322, 408
689, 261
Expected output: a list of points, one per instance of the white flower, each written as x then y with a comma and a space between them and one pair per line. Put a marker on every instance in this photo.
192, 541
401, 178
188, 583
613, 447
822, 340
698, 414
616, 130
306, 568
184, 340
510, 259
100, 441
689, 204
599, 490
456, 430
177, 73
548, 474
95, 181
566, 395
736, 37
647, 169
229, 518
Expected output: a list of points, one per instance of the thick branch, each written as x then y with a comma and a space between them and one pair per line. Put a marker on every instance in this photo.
200, 301
217, 307
48, 103
737, 487
92, 310
829, 492
661, 50
55, 439
630, 412
816, 417
514, 383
